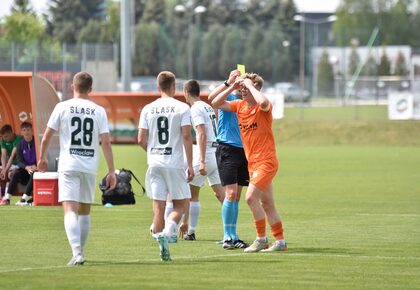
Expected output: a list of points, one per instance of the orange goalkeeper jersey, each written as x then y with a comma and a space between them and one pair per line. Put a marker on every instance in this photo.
256, 132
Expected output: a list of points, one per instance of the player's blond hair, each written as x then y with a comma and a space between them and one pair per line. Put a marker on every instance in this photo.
165, 80
256, 79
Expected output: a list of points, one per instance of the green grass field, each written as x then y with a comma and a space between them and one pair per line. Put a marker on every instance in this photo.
351, 214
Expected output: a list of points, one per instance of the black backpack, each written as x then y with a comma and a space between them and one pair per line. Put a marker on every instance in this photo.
123, 192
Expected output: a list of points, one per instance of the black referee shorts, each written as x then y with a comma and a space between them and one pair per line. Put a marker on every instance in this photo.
232, 165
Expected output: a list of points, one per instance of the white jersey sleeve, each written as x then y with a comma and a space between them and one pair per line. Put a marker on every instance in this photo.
143, 118
103, 122
196, 116
54, 121
186, 117
202, 113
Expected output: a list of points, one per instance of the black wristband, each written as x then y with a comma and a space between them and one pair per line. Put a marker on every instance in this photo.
226, 84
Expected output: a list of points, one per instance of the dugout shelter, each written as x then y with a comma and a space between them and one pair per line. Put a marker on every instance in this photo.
25, 97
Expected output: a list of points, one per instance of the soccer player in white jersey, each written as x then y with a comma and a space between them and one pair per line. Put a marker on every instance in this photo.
81, 125
164, 132
204, 153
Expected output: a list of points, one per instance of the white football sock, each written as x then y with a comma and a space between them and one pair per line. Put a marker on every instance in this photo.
168, 209
8, 196
281, 242
84, 223
194, 214
71, 225
170, 228
25, 197
156, 235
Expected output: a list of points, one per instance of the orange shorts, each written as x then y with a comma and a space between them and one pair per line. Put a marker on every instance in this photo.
261, 173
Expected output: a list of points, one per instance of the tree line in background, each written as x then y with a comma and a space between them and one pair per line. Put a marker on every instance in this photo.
228, 33
261, 34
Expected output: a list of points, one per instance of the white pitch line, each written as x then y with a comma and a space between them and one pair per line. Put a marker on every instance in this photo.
26, 269
31, 269
390, 214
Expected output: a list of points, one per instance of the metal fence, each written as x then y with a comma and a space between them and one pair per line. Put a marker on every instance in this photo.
58, 63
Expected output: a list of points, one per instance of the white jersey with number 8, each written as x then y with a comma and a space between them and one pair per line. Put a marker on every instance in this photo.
163, 118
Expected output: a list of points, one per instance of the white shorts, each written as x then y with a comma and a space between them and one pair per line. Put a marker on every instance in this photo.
76, 186
212, 173
162, 183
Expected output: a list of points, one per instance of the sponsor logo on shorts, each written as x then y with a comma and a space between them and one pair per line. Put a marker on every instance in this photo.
82, 152
161, 151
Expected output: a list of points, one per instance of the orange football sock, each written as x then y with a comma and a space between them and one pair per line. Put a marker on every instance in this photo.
260, 227
277, 231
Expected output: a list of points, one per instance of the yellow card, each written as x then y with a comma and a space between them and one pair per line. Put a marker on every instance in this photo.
241, 69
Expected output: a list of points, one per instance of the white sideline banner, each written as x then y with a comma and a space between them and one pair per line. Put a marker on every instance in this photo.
401, 106
277, 100
416, 107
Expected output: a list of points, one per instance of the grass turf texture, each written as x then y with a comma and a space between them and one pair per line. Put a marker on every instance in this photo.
351, 215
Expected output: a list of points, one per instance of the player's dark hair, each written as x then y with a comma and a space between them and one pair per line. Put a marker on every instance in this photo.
25, 125
192, 87
165, 80
6, 129
82, 82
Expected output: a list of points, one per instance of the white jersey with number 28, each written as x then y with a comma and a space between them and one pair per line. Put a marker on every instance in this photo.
79, 123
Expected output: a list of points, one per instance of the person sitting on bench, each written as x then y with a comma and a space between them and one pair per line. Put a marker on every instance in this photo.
26, 161
8, 165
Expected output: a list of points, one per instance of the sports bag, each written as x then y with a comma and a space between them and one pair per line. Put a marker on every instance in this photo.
123, 192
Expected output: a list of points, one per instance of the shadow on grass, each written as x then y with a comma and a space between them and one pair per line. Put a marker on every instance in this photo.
203, 240
125, 263
314, 250
232, 258
185, 262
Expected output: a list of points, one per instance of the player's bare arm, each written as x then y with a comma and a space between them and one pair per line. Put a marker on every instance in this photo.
45, 143
202, 142
232, 77
187, 140
111, 179
220, 101
142, 138
261, 100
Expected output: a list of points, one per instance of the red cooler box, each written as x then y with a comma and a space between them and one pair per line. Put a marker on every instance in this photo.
46, 188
